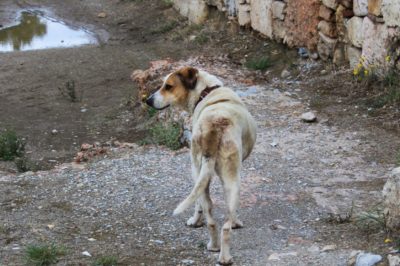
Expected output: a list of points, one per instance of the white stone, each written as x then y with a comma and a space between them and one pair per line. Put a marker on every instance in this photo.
274, 257
355, 31
195, 10
261, 16
308, 117
391, 12
391, 196
329, 248
353, 54
367, 259
377, 40
330, 3
278, 10
86, 253
360, 7
244, 15
394, 260
279, 30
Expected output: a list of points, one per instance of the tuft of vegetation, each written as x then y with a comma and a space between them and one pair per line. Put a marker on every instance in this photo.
201, 39
24, 164
69, 91
262, 63
106, 261
43, 255
11, 145
168, 3
165, 28
371, 220
151, 111
167, 135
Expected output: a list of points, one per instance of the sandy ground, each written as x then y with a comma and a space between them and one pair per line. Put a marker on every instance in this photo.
298, 174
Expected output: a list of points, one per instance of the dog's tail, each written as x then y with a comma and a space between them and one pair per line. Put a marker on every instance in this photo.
206, 172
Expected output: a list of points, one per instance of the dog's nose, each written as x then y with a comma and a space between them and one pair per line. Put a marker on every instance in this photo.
150, 101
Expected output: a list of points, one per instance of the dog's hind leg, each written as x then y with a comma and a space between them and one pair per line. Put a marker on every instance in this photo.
213, 244
197, 219
229, 174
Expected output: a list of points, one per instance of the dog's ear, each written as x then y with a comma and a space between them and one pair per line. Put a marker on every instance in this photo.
188, 76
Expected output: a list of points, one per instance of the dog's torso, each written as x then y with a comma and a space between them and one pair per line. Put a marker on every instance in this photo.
221, 124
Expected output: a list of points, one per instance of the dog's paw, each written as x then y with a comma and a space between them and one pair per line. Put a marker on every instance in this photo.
237, 224
195, 222
213, 247
225, 261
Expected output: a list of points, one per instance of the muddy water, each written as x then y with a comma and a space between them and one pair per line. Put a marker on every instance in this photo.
36, 31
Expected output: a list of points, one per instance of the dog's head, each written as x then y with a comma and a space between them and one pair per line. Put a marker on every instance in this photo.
175, 90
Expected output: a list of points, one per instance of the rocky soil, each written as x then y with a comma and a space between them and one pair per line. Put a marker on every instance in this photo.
302, 187
299, 179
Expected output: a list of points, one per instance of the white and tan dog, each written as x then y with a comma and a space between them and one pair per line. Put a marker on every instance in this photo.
224, 133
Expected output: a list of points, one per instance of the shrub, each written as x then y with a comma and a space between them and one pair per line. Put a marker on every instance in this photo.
11, 145
42, 255
259, 63
167, 135
106, 261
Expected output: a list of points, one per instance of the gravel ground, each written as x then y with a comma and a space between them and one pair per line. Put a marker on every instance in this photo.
297, 174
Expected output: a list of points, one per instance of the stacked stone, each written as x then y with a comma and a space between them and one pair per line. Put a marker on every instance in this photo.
331, 29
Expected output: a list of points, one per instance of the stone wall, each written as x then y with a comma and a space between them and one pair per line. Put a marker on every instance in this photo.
338, 30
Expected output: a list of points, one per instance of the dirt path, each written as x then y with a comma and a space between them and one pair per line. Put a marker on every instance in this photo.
297, 175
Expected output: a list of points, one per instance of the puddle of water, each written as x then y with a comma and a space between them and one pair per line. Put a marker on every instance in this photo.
36, 31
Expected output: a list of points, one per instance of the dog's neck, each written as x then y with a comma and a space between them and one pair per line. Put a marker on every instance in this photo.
204, 80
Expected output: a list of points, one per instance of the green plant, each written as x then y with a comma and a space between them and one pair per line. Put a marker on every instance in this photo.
165, 28
106, 261
201, 39
398, 158
69, 91
168, 3
167, 135
151, 111
24, 164
11, 145
42, 255
258, 63
371, 220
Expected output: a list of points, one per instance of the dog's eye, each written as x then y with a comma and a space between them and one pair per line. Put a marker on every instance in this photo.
168, 87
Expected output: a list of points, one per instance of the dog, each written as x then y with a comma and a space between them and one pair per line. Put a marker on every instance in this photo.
223, 136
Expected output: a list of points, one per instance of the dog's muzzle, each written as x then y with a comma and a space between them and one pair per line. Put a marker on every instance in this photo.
150, 102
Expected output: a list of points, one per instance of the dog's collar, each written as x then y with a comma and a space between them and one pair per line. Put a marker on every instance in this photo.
204, 93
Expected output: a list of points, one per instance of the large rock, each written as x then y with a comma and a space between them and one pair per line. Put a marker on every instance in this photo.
326, 46
353, 55
360, 7
374, 7
355, 31
391, 196
301, 20
261, 16
195, 10
391, 14
326, 13
278, 10
330, 3
220, 4
378, 39
327, 28
244, 15
279, 30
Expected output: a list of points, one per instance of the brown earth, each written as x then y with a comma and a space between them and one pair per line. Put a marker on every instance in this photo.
300, 178
132, 34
